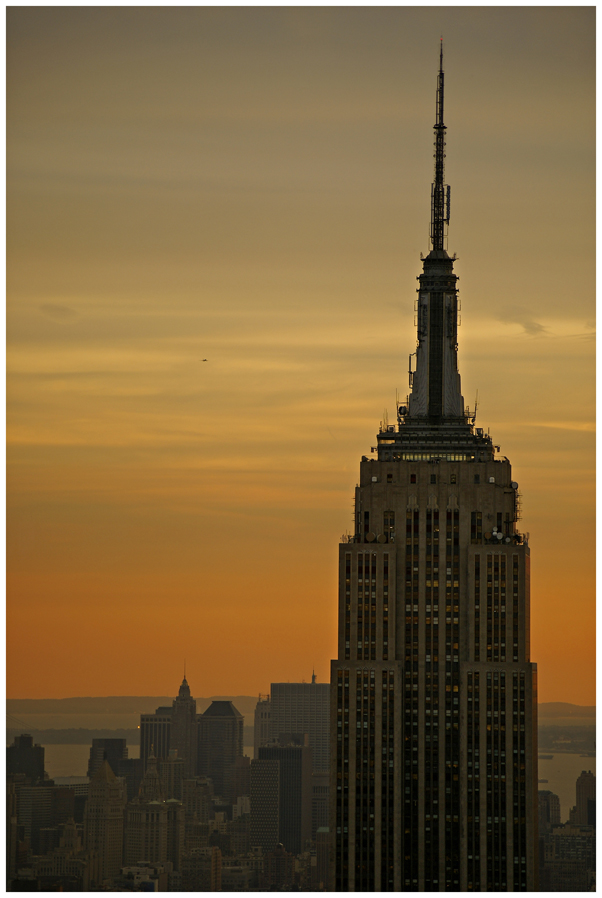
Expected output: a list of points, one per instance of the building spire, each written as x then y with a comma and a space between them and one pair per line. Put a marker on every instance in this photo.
439, 193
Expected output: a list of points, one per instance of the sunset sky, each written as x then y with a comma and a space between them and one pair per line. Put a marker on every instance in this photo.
251, 186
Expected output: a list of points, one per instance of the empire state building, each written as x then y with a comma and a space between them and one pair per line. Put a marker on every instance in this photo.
433, 694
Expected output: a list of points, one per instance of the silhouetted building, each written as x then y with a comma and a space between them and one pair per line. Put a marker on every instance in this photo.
103, 820
34, 812
131, 770
197, 795
146, 820
242, 777
155, 731
26, 758
220, 733
584, 811
295, 793
303, 708
265, 803
569, 859
67, 867
173, 728
434, 762
111, 750
549, 811
322, 858
261, 723
172, 772
278, 870
202, 870
183, 735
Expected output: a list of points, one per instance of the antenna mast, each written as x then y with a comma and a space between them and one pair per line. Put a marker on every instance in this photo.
439, 212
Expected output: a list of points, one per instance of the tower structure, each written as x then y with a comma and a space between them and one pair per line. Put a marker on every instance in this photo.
433, 695
103, 820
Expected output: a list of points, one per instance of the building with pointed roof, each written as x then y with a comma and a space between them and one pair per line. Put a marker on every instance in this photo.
433, 693
172, 729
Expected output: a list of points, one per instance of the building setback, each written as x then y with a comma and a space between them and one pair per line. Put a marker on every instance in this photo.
433, 695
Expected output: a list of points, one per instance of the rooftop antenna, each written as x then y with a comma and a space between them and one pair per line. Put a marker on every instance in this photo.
439, 194
476, 405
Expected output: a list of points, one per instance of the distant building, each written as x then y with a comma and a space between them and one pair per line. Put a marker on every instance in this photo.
303, 708
261, 728
183, 733
584, 811
111, 750
242, 777
265, 803
131, 770
295, 793
278, 870
67, 867
26, 758
322, 858
172, 772
197, 795
155, 732
172, 728
220, 734
34, 812
103, 821
549, 811
202, 870
146, 820
569, 859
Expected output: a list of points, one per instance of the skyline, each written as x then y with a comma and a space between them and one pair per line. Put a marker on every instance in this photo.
252, 187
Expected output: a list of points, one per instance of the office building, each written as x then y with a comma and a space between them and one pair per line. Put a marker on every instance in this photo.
146, 820
434, 762
265, 804
183, 732
172, 728
261, 723
26, 758
584, 811
103, 821
549, 811
220, 734
569, 862
295, 792
303, 708
111, 750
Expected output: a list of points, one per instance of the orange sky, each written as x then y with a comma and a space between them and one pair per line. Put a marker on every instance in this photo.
252, 186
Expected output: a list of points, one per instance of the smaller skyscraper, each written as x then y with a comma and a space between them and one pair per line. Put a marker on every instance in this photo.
147, 820
220, 734
303, 708
103, 820
111, 750
265, 803
584, 811
183, 735
261, 723
172, 727
549, 811
295, 792
26, 758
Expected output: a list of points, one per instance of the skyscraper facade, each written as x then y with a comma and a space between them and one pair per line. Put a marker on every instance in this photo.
303, 708
433, 695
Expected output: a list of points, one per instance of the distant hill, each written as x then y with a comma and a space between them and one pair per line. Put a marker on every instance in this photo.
565, 709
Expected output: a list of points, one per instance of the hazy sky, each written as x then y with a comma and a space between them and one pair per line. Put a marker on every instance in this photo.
252, 186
